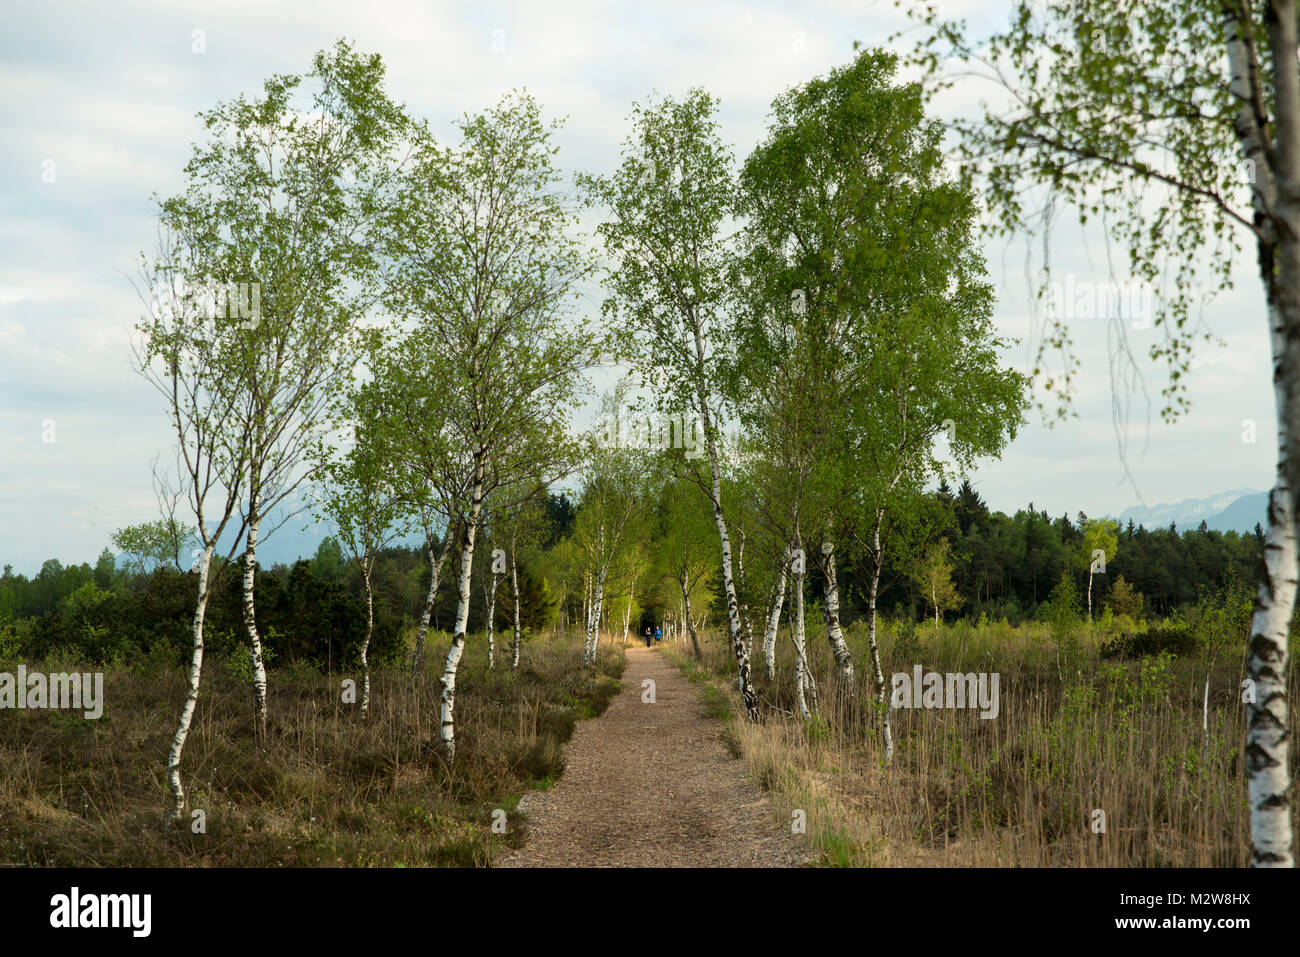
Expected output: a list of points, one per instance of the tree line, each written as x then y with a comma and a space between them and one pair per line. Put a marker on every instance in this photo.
999, 566
414, 350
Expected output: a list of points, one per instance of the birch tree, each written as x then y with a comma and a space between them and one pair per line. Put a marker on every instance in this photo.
1099, 546
943, 401
932, 574
152, 545
525, 528
782, 419
810, 274
186, 353
685, 556
669, 202
487, 268
414, 414
520, 528
772, 621
606, 512
566, 562
853, 222
625, 574
367, 509
1120, 113
491, 586
281, 207
779, 387
802, 677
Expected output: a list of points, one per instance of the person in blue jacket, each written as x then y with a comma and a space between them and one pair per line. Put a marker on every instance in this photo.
659, 634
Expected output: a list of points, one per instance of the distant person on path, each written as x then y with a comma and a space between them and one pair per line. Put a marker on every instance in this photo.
659, 635
647, 636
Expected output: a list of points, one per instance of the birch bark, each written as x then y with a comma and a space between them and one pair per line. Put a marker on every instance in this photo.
514, 587
690, 622
744, 604
448, 711
491, 619
249, 610
744, 681
882, 691
365, 642
774, 617
835, 634
174, 784
1276, 202
436, 561
598, 609
800, 660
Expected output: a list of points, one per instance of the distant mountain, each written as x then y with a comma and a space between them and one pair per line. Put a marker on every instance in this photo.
1242, 515
292, 541
299, 538
1190, 512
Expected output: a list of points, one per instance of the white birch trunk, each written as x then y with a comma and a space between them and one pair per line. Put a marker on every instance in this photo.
436, 562
774, 618
174, 784
448, 711
514, 586
1205, 705
598, 607
491, 621
800, 660
1276, 201
834, 634
743, 678
1266, 737
365, 643
586, 616
745, 621
690, 622
250, 619
882, 690
809, 682
586, 632
588, 608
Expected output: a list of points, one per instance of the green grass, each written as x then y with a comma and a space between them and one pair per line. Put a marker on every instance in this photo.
715, 701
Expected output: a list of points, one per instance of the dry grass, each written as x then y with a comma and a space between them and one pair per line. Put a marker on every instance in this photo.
327, 789
1075, 734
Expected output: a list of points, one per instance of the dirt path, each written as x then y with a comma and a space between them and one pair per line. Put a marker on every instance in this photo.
653, 785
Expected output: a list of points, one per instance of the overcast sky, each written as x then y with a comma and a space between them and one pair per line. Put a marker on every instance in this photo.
100, 99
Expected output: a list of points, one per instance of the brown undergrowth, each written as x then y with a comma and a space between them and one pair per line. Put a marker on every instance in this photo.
1089, 762
327, 789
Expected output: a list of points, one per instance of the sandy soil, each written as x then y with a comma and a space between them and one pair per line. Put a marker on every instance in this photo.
653, 785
